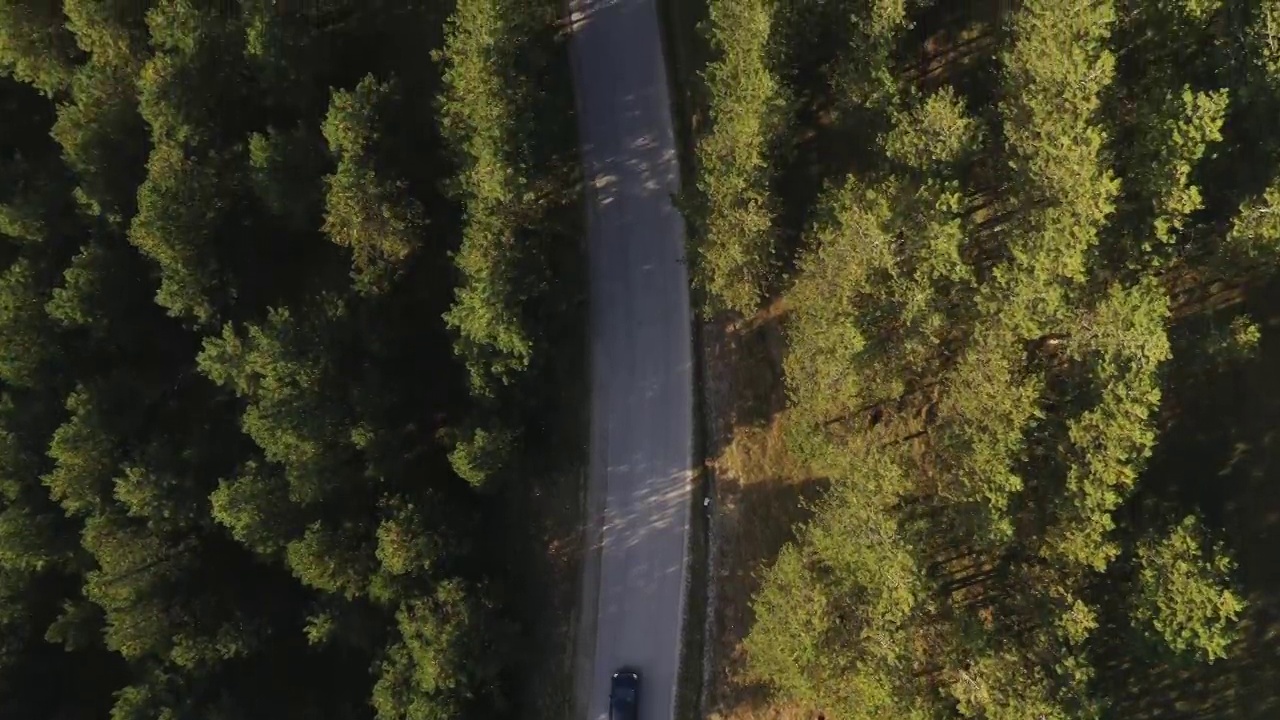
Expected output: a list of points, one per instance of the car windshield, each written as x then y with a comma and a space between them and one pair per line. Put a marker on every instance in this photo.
624, 695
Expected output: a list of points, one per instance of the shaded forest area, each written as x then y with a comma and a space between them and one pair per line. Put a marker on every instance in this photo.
1024, 254
276, 315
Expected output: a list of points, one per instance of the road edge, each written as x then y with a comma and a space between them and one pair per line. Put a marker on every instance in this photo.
678, 20
590, 499
687, 693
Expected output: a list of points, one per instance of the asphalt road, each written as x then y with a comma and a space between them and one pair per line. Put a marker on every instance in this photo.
639, 491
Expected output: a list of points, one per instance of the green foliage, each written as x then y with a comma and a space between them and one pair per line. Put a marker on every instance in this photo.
491, 340
1000, 686
1262, 38
983, 415
734, 239
21, 223
981, 336
1173, 124
285, 52
864, 76
477, 118
255, 507
284, 166
1056, 70
84, 457
107, 32
850, 248
84, 283
793, 613
282, 368
1124, 346
1183, 595
405, 544
24, 331
443, 654
164, 695
137, 585
35, 46
159, 490
1173, 147
102, 135
191, 173
936, 131
364, 210
144, 700
337, 560
1239, 340
1255, 231
863, 301
509, 185
481, 453
223, 492
835, 612
100, 130
177, 215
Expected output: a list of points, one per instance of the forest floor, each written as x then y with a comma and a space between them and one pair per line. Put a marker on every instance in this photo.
1219, 451
543, 510
760, 493
1219, 448
544, 532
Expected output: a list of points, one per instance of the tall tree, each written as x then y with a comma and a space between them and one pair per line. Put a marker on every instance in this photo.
365, 210
477, 112
1183, 595
735, 211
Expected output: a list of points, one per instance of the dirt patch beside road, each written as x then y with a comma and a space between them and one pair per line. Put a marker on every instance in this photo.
759, 494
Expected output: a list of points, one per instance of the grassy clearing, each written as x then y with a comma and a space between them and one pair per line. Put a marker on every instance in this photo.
760, 495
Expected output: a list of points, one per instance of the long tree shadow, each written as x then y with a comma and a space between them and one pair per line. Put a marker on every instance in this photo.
954, 44
744, 359
815, 147
765, 514
761, 492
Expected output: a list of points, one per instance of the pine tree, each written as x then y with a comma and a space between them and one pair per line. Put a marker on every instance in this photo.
735, 211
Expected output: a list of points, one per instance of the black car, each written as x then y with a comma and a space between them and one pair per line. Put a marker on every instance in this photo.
624, 696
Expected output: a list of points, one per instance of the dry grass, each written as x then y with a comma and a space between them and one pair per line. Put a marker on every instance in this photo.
760, 493
761, 712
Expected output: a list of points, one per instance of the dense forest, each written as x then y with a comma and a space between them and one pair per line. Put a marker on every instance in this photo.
273, 311
1026, 253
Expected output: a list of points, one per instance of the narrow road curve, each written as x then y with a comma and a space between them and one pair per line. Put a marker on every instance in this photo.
641, 451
